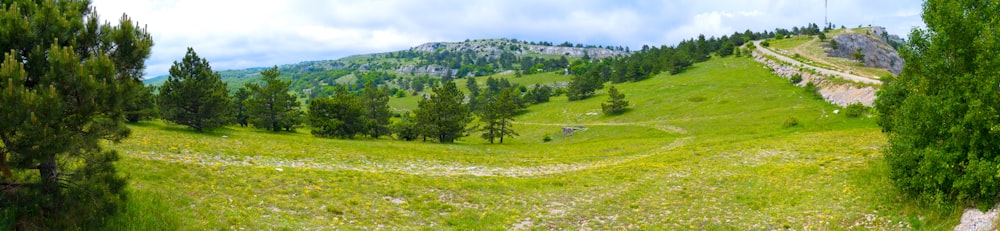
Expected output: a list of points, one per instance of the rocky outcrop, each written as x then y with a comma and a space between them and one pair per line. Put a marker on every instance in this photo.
878, 53
492, 48
841, 93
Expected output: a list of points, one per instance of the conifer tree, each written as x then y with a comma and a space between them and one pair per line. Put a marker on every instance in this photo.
339, 116
65, 78
375, 102
270, 106
616, 102
443, 116
497, 114
194, 95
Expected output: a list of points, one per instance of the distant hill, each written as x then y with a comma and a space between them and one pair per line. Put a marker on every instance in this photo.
430, 60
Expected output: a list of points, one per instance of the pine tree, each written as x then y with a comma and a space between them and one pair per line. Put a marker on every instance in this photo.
143, 107
616, 102
65, 79
339, 116
240, 113
375, 102
497, 114
443, 116
194, 95
270, 106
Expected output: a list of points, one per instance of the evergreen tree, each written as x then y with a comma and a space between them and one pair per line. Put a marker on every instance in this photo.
194, 95
497, 114
65, 79
240, 113
583, 86
473, 88
143, 106
443, 116
406, 128
339, 116
616, 102
375, 102
941, 115
270, 106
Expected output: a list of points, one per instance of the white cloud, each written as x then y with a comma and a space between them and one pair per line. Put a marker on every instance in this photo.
254, 33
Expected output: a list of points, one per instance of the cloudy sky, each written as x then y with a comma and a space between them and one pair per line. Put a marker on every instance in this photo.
256, 33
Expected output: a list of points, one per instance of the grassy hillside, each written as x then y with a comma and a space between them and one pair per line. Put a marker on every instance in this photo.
705, 149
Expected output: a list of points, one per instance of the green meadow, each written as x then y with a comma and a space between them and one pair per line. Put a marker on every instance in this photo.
710, 148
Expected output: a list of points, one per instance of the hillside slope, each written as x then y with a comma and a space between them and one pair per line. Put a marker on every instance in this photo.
432, 60
725, 145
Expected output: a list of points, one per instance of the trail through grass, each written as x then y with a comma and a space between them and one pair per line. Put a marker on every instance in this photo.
705, 149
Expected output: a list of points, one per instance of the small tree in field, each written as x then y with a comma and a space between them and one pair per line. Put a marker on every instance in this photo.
270, 106
616, 102
194, 95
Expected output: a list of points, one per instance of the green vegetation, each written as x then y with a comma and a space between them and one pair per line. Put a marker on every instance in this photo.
270, 107
723, 162
616, 102
194, 95
940, 114
443, 116
66, 81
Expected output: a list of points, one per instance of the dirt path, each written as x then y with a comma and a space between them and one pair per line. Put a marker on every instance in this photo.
652, 124
429, 168
822, 71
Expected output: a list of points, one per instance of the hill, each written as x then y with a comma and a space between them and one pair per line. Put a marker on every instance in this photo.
723, 145
479, 57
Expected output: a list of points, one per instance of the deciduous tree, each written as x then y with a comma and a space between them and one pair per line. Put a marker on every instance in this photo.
942, 114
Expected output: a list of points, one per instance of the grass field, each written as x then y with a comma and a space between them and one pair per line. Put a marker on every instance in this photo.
706, 149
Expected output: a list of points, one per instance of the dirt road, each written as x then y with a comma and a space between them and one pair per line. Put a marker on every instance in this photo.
822, 71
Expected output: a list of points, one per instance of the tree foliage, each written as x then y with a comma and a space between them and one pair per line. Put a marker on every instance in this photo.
375, 102
616, 103
65, 80
339, 116
497, 114
443, 116
143, 105
942, 114
194, 95
270, 106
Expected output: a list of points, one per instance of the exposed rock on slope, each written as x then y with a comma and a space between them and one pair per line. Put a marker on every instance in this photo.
878, 53
494, 47
837, 92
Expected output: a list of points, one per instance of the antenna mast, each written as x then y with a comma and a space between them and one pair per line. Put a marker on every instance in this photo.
826, 22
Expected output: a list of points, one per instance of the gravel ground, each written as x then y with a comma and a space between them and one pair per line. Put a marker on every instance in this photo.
975, 220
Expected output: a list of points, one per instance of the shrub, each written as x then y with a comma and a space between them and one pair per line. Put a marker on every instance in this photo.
547, 138
813, 90
796, 79
855, 110
790, 122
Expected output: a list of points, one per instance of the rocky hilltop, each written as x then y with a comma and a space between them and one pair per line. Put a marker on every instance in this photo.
874, 44
492, 48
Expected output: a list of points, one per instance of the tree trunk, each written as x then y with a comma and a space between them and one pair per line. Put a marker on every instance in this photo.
49, 172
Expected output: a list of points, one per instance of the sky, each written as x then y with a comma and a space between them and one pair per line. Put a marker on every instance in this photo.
262, 33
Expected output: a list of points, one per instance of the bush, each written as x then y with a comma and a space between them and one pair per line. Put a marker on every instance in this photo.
796, 79
855, 110
765, 44
547, 138
790, 122
813, 90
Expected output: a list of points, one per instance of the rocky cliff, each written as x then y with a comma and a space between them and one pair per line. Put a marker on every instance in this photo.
874, 45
